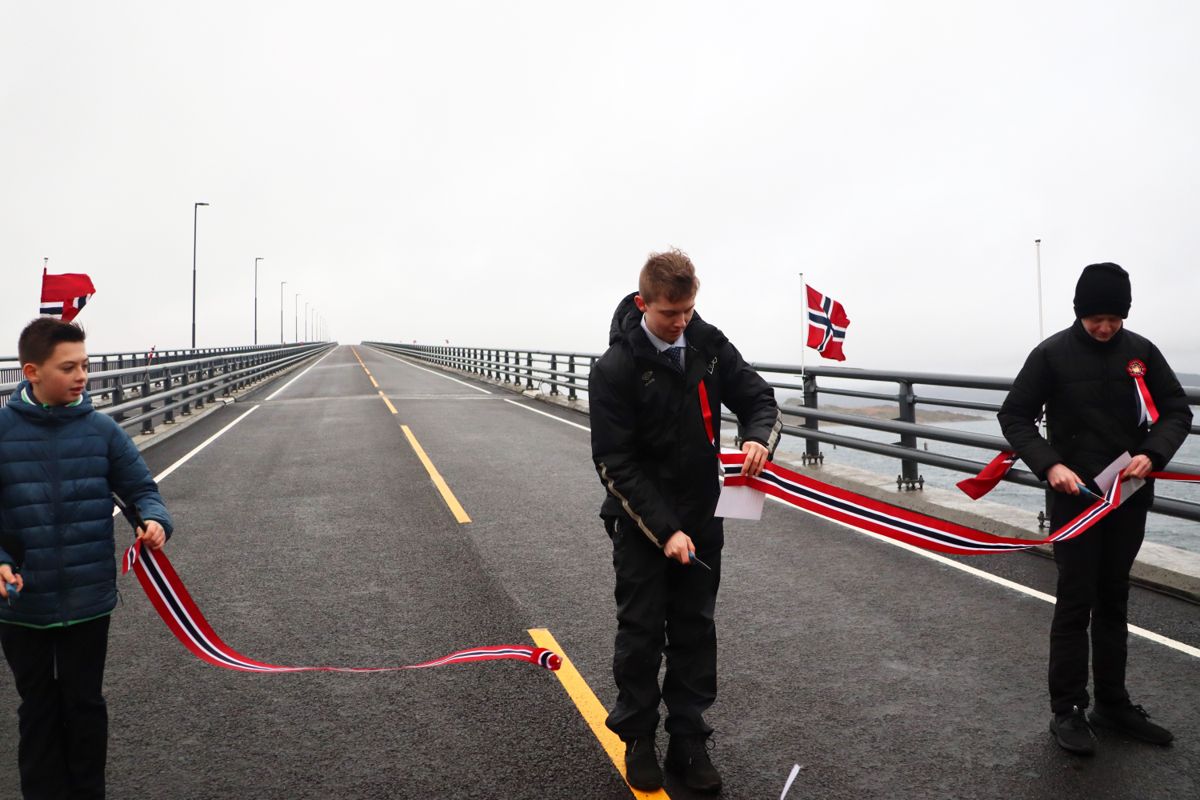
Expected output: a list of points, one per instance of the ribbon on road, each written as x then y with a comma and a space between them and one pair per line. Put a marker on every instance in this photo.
174, 604
902, 524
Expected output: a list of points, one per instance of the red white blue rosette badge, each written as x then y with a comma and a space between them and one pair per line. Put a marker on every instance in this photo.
1147, 412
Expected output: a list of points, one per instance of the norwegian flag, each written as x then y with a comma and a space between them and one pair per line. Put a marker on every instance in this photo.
63, 296
827, 323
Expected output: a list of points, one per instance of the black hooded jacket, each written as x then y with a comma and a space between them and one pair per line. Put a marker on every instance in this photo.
1092, 410
649, 441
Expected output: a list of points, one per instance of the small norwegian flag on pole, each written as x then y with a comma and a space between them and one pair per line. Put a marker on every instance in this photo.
827, 323
63, 296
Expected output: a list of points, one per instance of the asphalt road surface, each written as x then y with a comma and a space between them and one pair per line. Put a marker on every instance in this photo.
311, 533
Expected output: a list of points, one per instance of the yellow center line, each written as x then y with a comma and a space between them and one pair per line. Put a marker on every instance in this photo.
391, 407
455, 508
590, 708
369, 375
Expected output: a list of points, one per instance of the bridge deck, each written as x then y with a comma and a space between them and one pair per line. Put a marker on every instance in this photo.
311, 533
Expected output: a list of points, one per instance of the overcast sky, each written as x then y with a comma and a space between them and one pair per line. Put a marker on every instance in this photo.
496, 173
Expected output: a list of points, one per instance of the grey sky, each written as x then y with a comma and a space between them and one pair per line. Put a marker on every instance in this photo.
495, 173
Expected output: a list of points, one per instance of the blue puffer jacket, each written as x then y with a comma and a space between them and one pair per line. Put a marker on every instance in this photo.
57, 467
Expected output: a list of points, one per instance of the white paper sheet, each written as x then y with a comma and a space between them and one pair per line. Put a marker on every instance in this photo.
740, 502
1109, 474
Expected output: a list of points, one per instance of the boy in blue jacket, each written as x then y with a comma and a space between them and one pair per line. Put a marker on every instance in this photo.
59, 461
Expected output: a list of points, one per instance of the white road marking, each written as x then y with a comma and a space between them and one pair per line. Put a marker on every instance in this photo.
551, 416
430, 371
301, 375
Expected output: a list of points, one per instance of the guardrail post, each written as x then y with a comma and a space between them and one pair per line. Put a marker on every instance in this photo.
554, 375
168, 384
571, 380
812, 447
528, 370
908, 477
148, 422
506, 362
185, 378
118, 397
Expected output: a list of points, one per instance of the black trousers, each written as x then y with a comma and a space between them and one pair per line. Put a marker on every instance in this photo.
63, 719
664, 607
1093, 587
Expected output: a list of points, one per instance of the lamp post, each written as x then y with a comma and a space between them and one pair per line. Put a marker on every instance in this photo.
256, 260
306, 320
195, 212
1037, 243
281, 285
295, 316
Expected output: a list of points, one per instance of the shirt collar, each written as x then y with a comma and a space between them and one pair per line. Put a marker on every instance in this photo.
28, 397
658, 343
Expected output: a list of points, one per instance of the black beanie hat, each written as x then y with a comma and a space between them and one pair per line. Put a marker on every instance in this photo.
1103, 289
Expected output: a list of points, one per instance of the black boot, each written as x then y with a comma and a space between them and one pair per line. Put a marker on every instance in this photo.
641, 764
1131, 720
688, 756
1073, 732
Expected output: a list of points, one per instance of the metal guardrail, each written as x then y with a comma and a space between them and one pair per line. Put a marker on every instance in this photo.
139, 394
565, 372
10, 366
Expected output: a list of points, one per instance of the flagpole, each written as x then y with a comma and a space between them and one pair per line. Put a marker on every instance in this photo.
803, 324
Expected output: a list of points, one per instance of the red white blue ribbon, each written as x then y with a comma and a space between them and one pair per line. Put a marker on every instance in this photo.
171, 599
1147, 411
901, 524
989, 476
998, 467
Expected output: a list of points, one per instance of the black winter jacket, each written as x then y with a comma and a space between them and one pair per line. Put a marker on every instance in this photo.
649, 442
1092, 411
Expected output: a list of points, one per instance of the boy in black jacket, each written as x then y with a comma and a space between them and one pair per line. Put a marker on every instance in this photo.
1087, 376
655, 400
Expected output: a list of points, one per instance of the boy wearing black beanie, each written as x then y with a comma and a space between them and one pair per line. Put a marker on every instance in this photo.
1091, 378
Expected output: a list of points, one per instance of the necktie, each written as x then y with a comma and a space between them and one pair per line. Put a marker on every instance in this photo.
675, 356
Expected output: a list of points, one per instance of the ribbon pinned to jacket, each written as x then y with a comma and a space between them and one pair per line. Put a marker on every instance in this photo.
174, 604
902, 524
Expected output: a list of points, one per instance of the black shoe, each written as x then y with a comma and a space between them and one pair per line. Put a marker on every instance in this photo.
641, 764
1131, 720
1073, 732
688, 756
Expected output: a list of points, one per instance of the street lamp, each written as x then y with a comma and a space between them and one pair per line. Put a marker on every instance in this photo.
306, 320
281, 285
295, 316
195, 211
256, 260
1037, 243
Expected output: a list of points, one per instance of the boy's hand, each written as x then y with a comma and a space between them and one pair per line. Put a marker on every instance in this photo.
1063, 479
678, 547
756, 459
152, 535
7, 576
1139, 467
